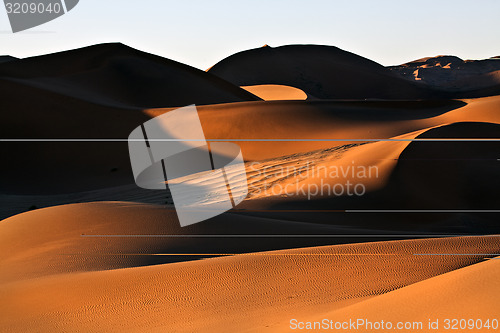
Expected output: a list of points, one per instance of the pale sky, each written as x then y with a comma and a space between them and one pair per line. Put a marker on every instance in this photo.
202, 32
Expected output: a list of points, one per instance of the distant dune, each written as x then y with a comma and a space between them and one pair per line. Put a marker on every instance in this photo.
84, 249
321, 71
97, 92
55, 280
6, 59
462, 78
118, 76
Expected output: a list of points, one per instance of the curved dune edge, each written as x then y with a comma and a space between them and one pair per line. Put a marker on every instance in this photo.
269, 178
256, 292
283, 177
330, 120
467, 293
302, 120
96, 75
275, 92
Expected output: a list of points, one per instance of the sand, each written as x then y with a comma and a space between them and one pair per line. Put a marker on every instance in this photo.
116, 75
255, 292
82, 249
274, 92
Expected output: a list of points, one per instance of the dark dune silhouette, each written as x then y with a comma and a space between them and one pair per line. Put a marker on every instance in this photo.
117, 75
6, 59
321, 71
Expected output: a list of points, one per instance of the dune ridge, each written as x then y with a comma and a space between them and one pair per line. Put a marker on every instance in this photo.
322, 71
83, 249
243, 295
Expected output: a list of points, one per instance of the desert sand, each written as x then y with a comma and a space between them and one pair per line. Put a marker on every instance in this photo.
83, 249
274, 92
57, 280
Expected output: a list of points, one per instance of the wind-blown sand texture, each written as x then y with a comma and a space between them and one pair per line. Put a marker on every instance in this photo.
83, 249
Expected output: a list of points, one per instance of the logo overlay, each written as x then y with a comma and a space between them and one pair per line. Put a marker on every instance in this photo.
205, 179
27, 14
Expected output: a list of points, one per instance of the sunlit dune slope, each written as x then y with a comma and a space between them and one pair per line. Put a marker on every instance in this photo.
273, 92
461, 78
59, 167
254, 292
300, 121
465, 295
6, 59
440, 168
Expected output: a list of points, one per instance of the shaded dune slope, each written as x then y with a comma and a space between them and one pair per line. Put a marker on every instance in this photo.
470, 292
117, 75
321, 71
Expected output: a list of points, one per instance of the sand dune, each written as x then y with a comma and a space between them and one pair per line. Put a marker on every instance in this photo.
273, 92
330, 120
62, 167
86, 168
85, 250
119, 76
458, 174
92, 93
53, 242
250, 292
466, 79
321, 71
399, 174
316, 120
6, 59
